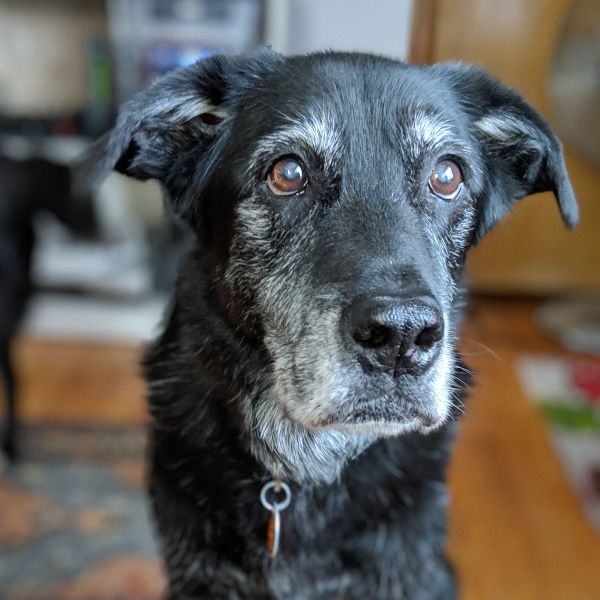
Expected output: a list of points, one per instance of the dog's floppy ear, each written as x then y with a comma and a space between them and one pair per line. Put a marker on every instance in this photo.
186, 105
168, 128
520, 151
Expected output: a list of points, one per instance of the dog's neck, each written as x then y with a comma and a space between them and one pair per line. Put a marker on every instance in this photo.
306, 457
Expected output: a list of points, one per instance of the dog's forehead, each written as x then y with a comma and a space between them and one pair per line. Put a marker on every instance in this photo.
352, 81
321, 99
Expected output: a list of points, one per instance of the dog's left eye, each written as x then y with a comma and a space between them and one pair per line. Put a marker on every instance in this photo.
446, 180
287, 177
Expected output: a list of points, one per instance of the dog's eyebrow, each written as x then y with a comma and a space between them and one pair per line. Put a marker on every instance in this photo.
422, 131
318, 133
430, 129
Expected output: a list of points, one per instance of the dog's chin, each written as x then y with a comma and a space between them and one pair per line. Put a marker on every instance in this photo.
361, 423
385, 428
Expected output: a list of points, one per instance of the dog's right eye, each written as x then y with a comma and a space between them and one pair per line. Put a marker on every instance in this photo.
446, 180
287, 177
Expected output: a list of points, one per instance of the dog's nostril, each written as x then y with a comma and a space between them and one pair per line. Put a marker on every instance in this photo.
428, 337
372, 335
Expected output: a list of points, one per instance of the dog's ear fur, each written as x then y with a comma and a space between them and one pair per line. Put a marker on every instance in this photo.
171, 132
521, 153
187, 105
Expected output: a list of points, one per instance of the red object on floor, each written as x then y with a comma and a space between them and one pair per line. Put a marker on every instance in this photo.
586, 378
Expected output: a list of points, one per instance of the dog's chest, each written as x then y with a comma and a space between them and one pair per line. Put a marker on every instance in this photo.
360, 539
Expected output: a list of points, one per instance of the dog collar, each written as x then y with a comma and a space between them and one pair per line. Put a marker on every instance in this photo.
275, 496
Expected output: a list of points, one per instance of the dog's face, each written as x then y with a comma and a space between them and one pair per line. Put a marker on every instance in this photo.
335, 197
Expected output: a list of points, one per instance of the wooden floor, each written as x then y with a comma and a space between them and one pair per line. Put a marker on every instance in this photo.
517, 532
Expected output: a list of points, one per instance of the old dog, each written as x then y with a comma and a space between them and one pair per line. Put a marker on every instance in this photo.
311, 339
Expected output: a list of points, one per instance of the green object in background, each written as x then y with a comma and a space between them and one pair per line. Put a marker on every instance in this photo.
97, 115
570, 417
99, 74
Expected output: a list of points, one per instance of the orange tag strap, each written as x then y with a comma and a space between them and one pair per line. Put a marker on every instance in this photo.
271, 534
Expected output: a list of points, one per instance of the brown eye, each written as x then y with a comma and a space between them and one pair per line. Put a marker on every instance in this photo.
446, 180
287, 177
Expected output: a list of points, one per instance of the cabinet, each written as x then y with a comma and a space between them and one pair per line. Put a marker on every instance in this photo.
516, 41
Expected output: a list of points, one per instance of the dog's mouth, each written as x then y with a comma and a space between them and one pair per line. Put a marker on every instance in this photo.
384, 416
323, 386
374, 403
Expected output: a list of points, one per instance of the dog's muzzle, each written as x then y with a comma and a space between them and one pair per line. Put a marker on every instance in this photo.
393, 334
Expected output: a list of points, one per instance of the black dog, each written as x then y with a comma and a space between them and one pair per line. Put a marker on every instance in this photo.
27, 187
313, 330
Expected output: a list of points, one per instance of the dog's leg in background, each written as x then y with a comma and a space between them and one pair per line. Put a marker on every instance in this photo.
15, 254
10, 393
28, 186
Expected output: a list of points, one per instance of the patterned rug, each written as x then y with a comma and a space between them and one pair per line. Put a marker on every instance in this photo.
74, 522
568, 394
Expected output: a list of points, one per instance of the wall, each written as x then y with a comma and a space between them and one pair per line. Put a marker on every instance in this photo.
43, 54
380, 26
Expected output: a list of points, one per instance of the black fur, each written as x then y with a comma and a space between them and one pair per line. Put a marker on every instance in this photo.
27, 187
259, 368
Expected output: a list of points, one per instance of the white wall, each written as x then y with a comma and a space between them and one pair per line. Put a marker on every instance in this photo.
379, 26
43, 55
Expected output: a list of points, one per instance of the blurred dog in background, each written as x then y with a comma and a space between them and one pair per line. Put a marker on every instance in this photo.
27, 187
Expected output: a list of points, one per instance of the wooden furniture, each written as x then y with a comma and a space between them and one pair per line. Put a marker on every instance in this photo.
530, 252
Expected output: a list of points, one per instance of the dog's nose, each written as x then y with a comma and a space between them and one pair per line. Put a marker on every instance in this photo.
401, 335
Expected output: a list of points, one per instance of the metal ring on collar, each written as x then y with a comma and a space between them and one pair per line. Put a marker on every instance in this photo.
276, 506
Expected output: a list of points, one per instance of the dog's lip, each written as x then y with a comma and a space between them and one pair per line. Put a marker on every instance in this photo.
368, 411
381, 427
